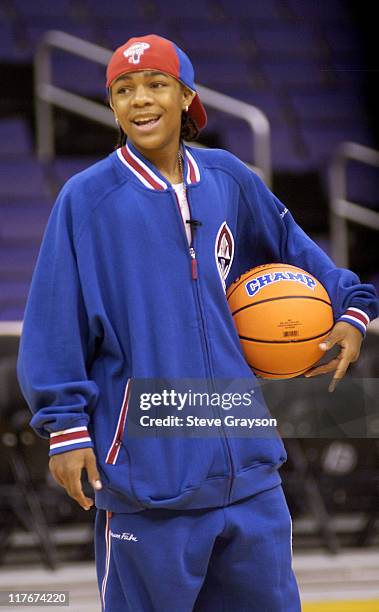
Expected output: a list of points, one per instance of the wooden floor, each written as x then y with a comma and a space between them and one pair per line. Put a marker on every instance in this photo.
347, 582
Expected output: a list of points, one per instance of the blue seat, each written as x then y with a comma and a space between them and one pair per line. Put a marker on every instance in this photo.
323, 11
223, 75
79, 75
12, 313
8, 45
11, 48
35, 29
296, 74
15, 137
287, 150
22, 177
284, 153
13, 297
65, 167
118, 9
23, 220
202, 40
269, 9
363, 184
185, 9
41, 8
17, 262
350, 72
280, 39
332, 105
116, 34
342, 38
322, 144
267, 101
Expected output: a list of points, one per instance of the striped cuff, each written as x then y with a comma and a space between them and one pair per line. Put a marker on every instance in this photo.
69, 439
356, 317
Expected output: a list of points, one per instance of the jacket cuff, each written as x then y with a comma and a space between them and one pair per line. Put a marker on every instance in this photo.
356, 317
69, 439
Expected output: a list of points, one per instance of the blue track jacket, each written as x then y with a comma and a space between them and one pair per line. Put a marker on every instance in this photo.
117, 294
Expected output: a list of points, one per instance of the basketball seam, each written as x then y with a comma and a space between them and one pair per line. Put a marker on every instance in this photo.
279, 373
282, 297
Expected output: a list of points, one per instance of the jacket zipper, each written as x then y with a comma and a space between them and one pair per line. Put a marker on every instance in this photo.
210, 369
193, 263
114, 448
195, 276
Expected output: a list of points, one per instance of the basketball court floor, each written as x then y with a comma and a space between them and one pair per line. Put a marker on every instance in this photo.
347, 582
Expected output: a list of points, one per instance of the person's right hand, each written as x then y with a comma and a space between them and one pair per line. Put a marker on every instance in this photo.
66, 469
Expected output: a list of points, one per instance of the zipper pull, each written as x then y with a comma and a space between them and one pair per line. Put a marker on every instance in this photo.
193, 263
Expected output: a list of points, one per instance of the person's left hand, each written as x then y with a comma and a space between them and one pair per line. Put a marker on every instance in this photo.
350, 339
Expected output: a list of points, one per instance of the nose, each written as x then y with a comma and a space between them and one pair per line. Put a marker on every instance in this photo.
142, 96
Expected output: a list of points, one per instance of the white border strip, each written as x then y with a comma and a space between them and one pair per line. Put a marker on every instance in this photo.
70, 442
66, 431
348, 318
361, 312
107, 558
195, 166
118, 424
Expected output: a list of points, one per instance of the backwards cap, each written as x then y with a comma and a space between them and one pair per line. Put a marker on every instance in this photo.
153, 52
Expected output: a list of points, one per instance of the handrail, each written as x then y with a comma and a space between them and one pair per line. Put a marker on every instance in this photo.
48, 95
341, 209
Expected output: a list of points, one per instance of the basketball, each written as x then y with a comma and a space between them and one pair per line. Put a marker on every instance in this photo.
281, 313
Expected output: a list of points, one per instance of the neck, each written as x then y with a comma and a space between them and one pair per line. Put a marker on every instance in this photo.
165, 160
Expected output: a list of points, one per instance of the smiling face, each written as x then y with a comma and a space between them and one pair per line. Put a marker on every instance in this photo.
149, 106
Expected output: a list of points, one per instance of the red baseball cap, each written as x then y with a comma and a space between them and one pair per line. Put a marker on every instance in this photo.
154, 52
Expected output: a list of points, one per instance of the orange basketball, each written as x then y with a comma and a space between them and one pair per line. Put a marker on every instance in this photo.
282, 313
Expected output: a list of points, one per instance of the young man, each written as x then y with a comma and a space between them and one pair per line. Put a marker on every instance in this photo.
126, 289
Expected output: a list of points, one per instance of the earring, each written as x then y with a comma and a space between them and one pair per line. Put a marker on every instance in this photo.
117, 122
186, 108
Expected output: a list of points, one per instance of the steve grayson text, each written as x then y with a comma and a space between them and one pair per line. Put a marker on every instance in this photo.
195, 421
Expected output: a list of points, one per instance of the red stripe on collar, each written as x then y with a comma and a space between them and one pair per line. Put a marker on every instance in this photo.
147, 176
145, 173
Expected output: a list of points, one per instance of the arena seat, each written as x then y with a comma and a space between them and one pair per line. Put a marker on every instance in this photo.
41, 8
269, 9
66, 166
15, 137
280, 39
22, 177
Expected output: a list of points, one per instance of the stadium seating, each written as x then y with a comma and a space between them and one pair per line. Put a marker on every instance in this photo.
300, 62
15, 137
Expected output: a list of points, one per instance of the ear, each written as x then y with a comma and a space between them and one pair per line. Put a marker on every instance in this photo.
110, 100
188, 95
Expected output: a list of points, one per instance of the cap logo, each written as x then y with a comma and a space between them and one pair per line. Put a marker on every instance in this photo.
135, 51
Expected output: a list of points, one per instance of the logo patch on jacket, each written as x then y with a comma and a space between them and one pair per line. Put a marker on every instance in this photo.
224, 251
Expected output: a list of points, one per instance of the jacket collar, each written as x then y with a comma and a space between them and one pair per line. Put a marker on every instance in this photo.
147, 173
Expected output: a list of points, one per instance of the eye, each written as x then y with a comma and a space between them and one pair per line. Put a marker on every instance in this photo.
123, 89
157, 84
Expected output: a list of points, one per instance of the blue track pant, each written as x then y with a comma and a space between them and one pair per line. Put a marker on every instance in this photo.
231, 559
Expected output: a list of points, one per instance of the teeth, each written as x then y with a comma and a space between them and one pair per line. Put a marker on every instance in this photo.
144, 121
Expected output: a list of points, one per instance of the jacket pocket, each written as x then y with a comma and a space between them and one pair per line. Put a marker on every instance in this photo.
114, 448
